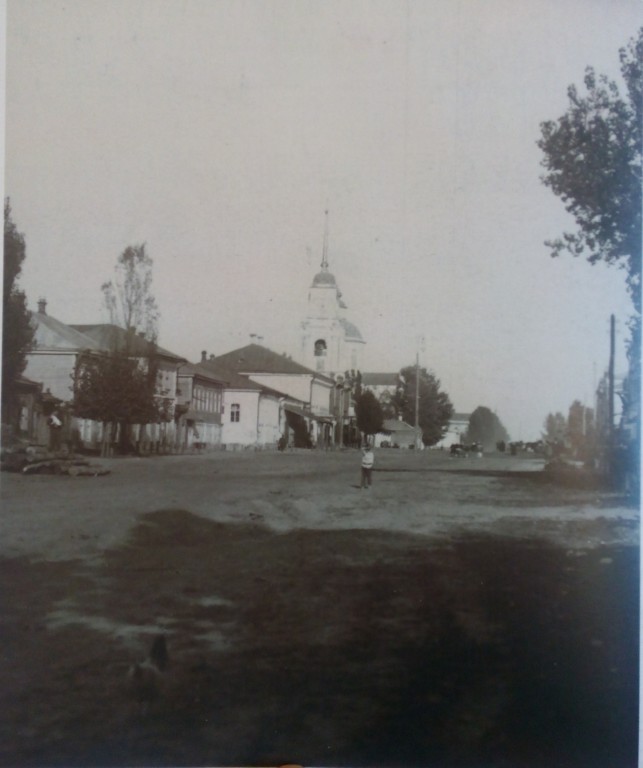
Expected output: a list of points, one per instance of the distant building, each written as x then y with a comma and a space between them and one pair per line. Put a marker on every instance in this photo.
307, 394
380, 383
396, 433
458, 425
198, 408
330, 342
112, 337
54, 355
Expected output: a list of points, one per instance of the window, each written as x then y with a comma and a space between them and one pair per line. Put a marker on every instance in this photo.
320, 348
235, 412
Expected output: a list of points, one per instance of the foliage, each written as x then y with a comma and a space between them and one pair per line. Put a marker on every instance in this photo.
485, 428
353, 380
128, 297
630, 393
555, 427
435, 408
117, 388
581, 431
17, 332
592, 155
121, 387
368, 413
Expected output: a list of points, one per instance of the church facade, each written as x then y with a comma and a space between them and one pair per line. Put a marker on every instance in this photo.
330, 343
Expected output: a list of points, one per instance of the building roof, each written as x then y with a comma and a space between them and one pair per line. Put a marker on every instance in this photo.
460, 417
380, 379
395, 426
25, 384
254, 358
324, 278
230, 378
54, 334
110, 336
188, 369
351, 331
234, 380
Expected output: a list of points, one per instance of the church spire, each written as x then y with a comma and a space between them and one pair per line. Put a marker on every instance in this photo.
324, 263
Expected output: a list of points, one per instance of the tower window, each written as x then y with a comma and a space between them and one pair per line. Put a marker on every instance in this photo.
320, 348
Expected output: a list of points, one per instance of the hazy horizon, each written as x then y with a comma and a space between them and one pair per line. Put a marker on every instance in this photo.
218, 133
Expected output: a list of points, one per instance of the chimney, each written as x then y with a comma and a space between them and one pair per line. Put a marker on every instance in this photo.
42, 306
204, 355
211, 357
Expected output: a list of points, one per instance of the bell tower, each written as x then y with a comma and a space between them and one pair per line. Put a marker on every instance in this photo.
329, 343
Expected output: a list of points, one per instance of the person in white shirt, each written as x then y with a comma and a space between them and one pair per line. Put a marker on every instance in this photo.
368, 459
55, 428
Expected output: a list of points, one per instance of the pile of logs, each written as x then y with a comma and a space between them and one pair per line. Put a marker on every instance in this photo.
36, 459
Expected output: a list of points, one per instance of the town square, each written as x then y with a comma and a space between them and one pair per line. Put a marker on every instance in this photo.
461, 612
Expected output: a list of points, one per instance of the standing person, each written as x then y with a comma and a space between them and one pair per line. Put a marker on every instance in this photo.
55, 427
368, 459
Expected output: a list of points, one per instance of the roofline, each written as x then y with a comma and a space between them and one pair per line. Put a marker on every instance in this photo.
322, 377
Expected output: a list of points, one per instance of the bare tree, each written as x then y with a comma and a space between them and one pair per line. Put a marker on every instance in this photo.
128, 297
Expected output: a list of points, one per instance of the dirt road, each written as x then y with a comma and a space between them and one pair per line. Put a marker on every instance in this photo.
461, 612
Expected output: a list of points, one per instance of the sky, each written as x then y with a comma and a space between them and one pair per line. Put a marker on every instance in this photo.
218, 133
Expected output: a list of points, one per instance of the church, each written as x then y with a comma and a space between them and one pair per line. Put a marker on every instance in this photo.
330, 342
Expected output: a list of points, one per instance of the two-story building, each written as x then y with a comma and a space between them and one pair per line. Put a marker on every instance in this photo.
310, 392
199, 406
112, 338
55, 353
251, 414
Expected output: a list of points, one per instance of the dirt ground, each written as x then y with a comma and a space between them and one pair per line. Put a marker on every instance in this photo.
462, 612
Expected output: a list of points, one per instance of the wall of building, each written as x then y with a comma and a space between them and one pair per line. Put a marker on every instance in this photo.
270, 427
320, 397
332, 333
454, 434
54, 370
244, 431
296, 385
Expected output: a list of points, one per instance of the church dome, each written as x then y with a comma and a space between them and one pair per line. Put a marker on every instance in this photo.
324, 278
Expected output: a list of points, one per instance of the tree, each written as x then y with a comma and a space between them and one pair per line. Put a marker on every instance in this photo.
592, 157
128, 297
485, 428
435, 408
388, 403
121, 388
17, 331
116, 389
368, 413
555, 427
581, 432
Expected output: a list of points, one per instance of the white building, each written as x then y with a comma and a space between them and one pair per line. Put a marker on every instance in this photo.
458, 425
330, 342
305, 393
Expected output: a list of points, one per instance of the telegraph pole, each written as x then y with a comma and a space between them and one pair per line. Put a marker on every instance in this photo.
418, 430
611, 380
417, 398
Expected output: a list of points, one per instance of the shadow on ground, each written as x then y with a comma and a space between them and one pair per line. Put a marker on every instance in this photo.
325, 648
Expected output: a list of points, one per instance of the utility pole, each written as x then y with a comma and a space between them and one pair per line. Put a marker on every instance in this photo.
611, 381
417, 399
